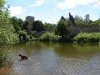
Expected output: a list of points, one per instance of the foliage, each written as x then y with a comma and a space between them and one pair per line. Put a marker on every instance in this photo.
38, 26
25, 24
62, 18
49, 26
87, 37
96, 22
20, 23
17, 23
49, 37
71, 18
3, 55
61, 29
7, 35
78, 20
23, 36
87, 18
7, 32
2, 2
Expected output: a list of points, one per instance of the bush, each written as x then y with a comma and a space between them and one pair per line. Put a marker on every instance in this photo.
23, 36
49, 37
30, 38
87, 37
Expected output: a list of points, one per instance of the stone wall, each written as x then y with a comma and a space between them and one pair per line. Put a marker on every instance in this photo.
75, 29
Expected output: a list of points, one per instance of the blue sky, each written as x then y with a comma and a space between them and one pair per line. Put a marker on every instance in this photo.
52, 10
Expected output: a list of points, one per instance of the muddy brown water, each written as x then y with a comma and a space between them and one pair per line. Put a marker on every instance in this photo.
50, 59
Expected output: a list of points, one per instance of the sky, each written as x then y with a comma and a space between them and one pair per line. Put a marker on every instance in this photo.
50, 11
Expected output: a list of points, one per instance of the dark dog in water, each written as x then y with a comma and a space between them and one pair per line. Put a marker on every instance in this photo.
23, 57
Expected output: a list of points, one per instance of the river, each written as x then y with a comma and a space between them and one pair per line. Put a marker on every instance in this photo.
47, 58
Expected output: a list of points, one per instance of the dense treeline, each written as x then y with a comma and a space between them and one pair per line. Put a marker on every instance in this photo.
13, 29
59, 31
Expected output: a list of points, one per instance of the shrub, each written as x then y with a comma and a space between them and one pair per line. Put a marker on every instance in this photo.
24, 36
87, 37
49, 37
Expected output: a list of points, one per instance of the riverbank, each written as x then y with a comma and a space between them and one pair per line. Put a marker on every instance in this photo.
81, 37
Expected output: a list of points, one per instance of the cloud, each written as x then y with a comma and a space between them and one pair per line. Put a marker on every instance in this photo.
37, 3
16, 11
97, 5
68, 4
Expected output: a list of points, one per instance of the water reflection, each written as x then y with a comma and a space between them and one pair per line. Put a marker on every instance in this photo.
50, 59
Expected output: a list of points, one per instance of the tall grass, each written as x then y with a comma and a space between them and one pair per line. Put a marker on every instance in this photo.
87, 37
49, 37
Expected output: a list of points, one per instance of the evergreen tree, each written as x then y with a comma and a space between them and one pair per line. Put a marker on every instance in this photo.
62, 18
71, 18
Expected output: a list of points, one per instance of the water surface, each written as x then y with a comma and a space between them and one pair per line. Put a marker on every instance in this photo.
50, 59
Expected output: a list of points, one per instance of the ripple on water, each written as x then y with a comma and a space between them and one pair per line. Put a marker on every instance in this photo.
51, 62
80, 66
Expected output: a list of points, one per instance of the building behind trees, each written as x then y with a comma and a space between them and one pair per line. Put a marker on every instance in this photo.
30, 19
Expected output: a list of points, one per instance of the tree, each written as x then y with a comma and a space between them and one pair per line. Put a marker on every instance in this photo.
78, 20
7, 32
87, 18
20, 23
17, 23
62, 18
71, 18
14, 22
49, 27
2, 2
38, 26
62, 28
25, 24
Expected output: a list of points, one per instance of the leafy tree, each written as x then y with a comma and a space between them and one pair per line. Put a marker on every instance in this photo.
62, 28
20, 23
25, 24
87, 18
49, 26
14, 22
78, 20
17, 23
2, 2
7, 32
38, 26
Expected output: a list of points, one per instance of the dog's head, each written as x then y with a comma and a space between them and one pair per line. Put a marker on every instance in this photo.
20, 55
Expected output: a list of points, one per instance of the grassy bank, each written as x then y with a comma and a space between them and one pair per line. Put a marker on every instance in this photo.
87, 37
